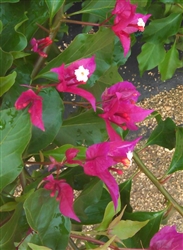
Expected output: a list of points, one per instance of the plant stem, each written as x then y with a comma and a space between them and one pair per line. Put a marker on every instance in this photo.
72, 244
64, 20
154, 180
98, 242
22, 179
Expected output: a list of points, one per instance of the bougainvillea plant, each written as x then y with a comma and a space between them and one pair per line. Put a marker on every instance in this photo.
61, 175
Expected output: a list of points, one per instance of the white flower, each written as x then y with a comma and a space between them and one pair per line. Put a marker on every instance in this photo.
81, 74
129, 156
141, 22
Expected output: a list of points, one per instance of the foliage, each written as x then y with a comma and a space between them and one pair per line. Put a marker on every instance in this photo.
48, 153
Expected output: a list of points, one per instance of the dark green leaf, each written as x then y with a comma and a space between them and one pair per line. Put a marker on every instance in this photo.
125, 189
95, 11
177, 159
44, 217
75, 177
98, 8
23, 77
15, 133
170, 1
169, 64
38, 16
12, 17
18, 54
163, 135
9, 1
150, 56
6, 82
161, 29
52, 111
9, 206
87, 128
6, 60
139, 3
143, 237
1, 26
54, 7
8, 230
91, 203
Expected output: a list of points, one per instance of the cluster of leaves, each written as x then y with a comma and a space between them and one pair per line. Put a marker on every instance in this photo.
32, 220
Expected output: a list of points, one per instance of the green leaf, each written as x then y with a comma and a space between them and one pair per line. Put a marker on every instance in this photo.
8, 230
125, 189
1, 26
84, 45
18, 54
6, 60
161, 29
9, 1
52, 111
90, 205
13, 18
23, 77
150, 56
110, 212
9, 206
53, 7
75, 177
87, 128
143, 237
6, 82
163, 135
169, 64
139, 3
36, 247
98, 8
126, 228
177, 159
44, 217
15, 133
170, 1
38, 16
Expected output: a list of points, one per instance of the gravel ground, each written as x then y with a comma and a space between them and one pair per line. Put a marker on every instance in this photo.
145, 196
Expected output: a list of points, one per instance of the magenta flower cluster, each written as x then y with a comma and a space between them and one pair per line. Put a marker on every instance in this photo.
127, 21
119, 107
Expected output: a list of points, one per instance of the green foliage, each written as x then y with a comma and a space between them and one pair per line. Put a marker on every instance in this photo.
86, 128
170, 63
177, 159
163, 135
29, 215
52, 232
91, 203
54, 7
6, 82
160, 30
7, 235
142, 238
14, 139
6, 63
